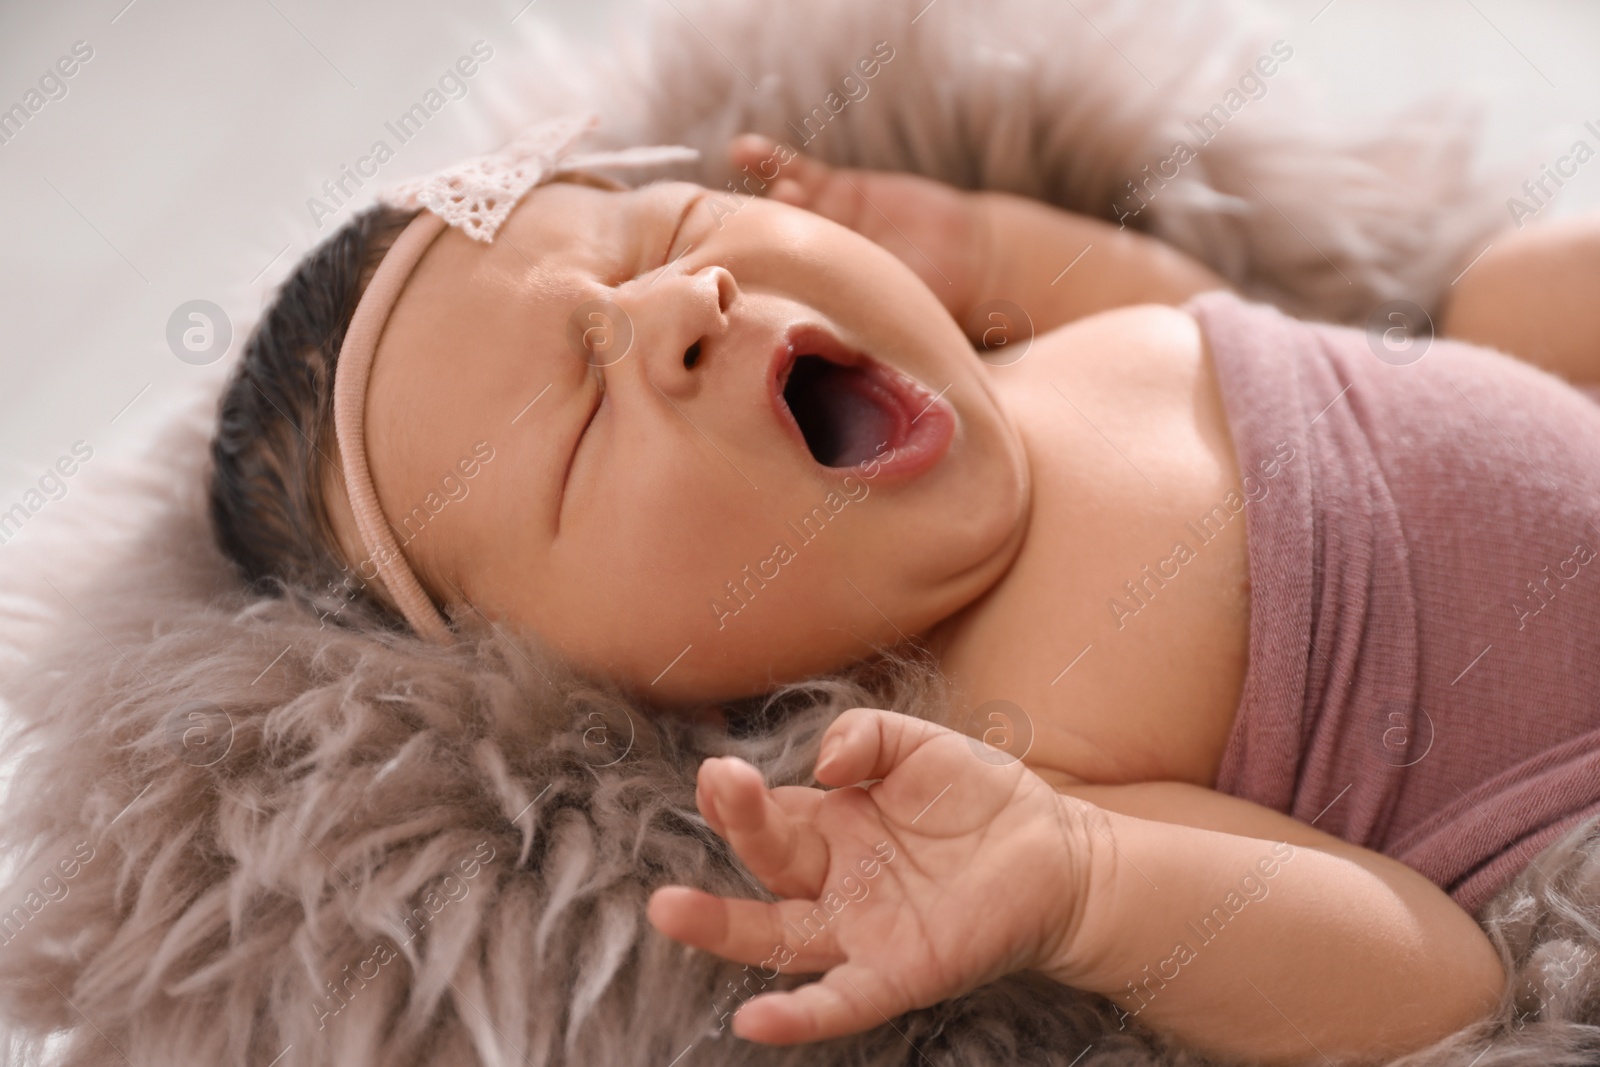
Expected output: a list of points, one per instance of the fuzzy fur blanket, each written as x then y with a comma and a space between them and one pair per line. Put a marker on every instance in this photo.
240, 837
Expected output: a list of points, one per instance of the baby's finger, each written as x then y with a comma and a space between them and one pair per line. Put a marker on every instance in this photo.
788, 855
788, 191
756, 154
865, 743
805, 180
703, 801
746, 931
847, 1000
798, 802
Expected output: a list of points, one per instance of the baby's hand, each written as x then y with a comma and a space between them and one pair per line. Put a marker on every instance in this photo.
933, 228
951, 872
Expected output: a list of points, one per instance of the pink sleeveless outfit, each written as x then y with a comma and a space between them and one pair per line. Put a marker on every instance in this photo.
1424, 662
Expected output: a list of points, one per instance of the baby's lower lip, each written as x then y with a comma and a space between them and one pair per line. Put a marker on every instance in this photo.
921, 435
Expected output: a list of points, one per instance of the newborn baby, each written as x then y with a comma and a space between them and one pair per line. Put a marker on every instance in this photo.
701, 443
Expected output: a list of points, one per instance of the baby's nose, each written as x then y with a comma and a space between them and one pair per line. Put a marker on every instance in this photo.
679, 322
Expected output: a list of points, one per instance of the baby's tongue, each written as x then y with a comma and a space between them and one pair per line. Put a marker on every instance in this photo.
868, 427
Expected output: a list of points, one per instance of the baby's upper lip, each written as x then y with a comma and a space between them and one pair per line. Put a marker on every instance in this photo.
806, 339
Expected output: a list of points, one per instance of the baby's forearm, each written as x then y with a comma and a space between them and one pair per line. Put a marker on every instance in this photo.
1059, 266
1347, 956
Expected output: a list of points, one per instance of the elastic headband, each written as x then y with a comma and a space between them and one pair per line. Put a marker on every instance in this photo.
475, 196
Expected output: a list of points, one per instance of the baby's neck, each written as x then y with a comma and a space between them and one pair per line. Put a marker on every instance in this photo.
1110, 671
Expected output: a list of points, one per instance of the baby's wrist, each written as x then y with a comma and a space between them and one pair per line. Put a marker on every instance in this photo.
1076, 948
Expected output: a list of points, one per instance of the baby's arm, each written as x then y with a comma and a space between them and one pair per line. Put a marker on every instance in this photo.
983, 869
974, 248
1059, 266
1203, 927
1535, 294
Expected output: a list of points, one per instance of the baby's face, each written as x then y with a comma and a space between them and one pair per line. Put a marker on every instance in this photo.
658, 489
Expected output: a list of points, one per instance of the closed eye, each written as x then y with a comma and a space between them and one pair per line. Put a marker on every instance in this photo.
632, 269
604, 331
599, 398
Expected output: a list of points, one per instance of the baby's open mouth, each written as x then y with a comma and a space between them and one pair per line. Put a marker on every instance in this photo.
840, 411
848, 407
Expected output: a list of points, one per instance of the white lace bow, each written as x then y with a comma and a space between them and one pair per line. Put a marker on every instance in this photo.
477, 194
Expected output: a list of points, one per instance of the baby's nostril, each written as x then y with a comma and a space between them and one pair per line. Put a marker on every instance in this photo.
692, 356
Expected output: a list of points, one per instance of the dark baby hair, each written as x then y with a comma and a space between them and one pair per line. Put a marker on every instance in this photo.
275, 426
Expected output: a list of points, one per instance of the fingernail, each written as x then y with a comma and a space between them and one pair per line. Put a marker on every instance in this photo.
830, 750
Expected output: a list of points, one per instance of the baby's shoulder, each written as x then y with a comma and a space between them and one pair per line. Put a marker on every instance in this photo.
1138, 376
1143, 347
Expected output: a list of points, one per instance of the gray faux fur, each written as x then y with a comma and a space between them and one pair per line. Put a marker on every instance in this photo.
224, 808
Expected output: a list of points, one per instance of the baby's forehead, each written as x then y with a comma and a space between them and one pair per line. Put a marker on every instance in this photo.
559, 223
547, 242
469, 301
543, 263
572, 214
563, 228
